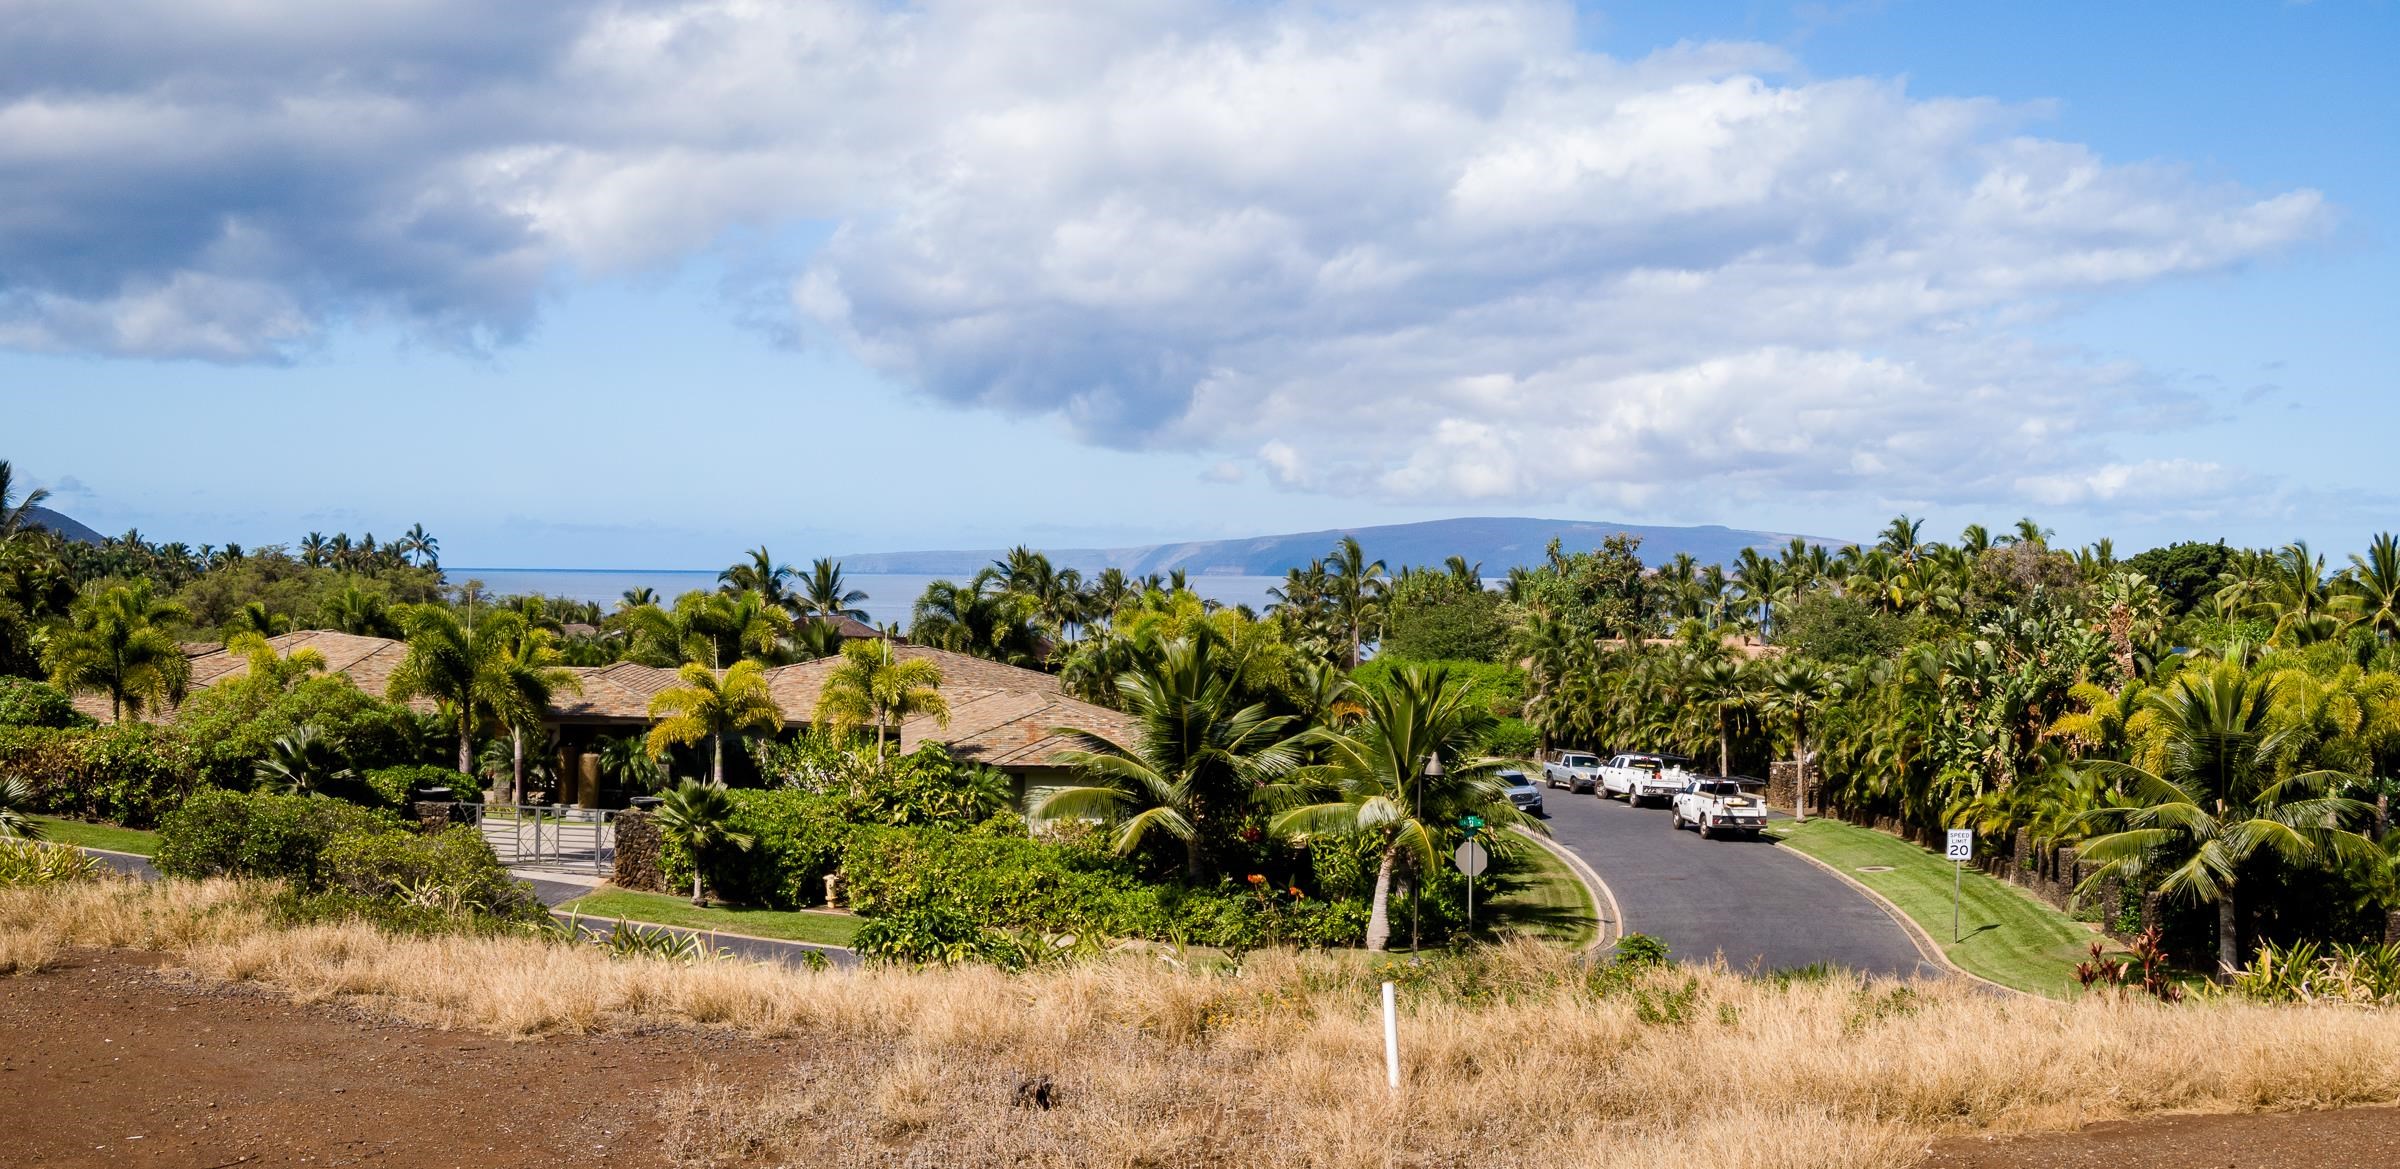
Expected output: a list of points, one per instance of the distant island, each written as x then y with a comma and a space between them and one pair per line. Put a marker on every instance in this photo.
1497, 542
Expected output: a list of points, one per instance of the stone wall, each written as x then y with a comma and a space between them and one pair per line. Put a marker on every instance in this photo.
637, 853
434, 815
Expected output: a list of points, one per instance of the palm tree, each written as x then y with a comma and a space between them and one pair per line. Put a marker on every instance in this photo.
2374, 586
115, 644
16, 820
16, 517
447, 664
301, 763
1357, 589
1722, 686
1903, 538
698, 816
2206, 798
825, 595
357, 610
763, 576
519, 678
872, 686
1375, 783
979, 618
706, 706
635, 598
1800, 688
315, 550
1194, 760
254, 617
420, 547
742, 624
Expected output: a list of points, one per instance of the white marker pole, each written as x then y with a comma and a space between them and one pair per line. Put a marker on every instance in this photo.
1391, 1039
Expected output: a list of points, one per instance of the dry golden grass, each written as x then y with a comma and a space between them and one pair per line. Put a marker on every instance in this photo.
1518, 1058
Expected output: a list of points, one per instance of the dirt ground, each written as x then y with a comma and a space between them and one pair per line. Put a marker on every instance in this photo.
107, 1060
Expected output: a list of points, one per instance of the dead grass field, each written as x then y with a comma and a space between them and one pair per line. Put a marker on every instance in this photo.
1520, 1058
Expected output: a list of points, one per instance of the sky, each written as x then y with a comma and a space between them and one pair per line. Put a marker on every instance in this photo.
647, 283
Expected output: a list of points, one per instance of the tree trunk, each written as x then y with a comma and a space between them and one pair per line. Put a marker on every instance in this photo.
1724, 742
2228, 939
696, 882
716, 758
2383, 814
516, 752
1191, 856
1379, 919
1800, 780
466, 746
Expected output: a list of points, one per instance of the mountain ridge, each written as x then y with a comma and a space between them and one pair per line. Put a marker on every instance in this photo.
1497, 542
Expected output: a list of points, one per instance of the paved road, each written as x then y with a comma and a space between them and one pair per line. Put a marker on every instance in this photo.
1760, 907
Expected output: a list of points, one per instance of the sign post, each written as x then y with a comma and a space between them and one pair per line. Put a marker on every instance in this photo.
1471, 859
1960, 848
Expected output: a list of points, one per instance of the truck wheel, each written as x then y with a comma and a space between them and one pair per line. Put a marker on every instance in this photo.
1706, 833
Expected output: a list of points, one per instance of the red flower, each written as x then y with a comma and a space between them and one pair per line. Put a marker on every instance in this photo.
1258, 878
1297, 895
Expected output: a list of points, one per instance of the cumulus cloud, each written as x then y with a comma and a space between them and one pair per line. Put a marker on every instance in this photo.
1417, 251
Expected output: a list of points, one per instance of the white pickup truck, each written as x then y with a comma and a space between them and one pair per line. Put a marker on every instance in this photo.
1718, 806
1575, 771
1640, 778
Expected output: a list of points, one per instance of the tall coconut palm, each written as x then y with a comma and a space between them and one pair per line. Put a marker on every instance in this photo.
315, 550
445, 663
420, 547
699, 817
635, 598
827, 596
874, 687
1357, 588
114, 643
744, 624
2373, 586
520, 676
1374, 780
760, 574
1724, 688
1196, 758
1799, 689
2206, 799
980, 618
706, 706
1903, 538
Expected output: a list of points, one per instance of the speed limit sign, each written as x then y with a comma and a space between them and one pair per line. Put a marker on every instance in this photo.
1961, 845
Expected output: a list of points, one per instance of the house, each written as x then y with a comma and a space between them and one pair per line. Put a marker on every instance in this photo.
1003, 716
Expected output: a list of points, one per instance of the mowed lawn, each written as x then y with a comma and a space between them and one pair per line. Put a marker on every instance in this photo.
2005, 935
824, 929
1541, 897
107, 837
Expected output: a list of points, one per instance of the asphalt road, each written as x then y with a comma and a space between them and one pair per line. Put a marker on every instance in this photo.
1761, 908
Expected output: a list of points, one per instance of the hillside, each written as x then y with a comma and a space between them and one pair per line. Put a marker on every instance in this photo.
1499, 543
44, 517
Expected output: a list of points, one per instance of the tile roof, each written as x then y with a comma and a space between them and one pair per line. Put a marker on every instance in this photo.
1002, 715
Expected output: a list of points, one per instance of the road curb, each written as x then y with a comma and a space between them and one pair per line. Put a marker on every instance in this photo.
1927, 948
582, 918
1604, 899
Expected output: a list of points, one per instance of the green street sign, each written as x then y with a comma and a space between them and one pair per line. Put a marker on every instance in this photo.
1470, 823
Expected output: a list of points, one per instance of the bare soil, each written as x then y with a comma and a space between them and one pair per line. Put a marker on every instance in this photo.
2352, 1138
107, 1060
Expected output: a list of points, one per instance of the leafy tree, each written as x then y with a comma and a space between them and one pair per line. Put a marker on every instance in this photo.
2210, 799
1197, 756
116, 644
760, 574
1839, 627
451, 665
706, 706
698, 817
874, 687
825, 595
2187, 573
519, 677
980, 617
1356, 587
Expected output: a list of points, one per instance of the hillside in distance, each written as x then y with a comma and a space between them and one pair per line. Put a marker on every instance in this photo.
66, 528
1498, 543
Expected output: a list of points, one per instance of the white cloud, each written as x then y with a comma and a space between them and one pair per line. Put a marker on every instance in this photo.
1422, 251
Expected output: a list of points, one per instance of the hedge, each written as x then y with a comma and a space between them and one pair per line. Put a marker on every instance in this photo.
126, 773
796, 840
25, 702
219, 833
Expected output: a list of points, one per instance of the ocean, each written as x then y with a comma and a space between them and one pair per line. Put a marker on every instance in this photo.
890, 596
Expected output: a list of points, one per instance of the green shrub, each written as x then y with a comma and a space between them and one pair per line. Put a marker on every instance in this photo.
127, 773
939, 934
234, 724
453, 870
928, 786
25, 702
259, 834
30, 862
796, 839
391, 786
1000, 879
1509, 738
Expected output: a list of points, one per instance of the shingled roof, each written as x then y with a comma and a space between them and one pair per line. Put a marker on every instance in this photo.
1002, 715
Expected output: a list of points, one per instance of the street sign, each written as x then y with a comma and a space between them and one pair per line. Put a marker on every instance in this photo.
1472, 859
1470, 823
1961, 845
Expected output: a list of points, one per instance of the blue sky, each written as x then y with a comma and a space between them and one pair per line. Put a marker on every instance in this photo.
648, 286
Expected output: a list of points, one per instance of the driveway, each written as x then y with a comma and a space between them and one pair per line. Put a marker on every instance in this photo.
1759, 907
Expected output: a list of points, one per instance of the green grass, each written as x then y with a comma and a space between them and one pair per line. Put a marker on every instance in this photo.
2005, 935
102, 836
1541, 896
824, 929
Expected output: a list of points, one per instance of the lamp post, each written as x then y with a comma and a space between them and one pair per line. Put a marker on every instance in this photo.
1416, 900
